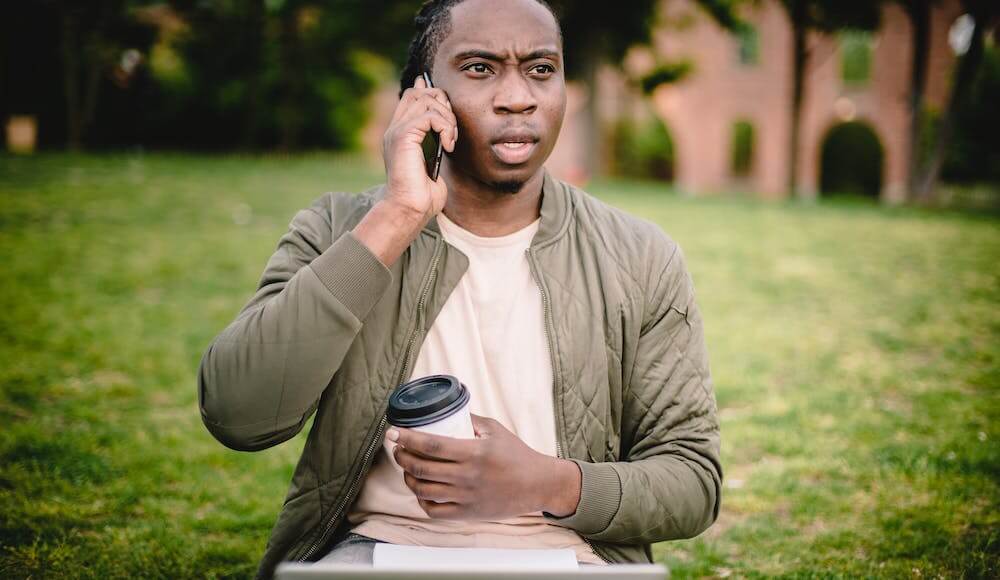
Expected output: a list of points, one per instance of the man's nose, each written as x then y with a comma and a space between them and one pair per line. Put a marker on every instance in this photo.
514, 95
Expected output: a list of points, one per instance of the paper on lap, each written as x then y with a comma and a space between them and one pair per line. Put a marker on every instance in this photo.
398, 557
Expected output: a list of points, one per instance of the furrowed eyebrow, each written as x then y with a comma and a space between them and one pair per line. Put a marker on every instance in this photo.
483, 54
487, 55
542, 53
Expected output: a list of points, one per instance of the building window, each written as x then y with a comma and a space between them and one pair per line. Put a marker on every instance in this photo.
741, 149
749, 45
856, 56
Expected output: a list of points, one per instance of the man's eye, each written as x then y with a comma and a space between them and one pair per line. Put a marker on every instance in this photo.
478, 68
543, 69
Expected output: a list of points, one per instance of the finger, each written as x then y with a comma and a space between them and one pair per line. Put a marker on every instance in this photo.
430, 490
426, 104
439, 96
402, 107
431, 121
414, 94
418, 83
448, 139
420, 102
427, 469
442, 511
432, 446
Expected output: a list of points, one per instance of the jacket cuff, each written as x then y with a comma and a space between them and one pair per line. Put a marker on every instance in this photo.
600, 498
353, 274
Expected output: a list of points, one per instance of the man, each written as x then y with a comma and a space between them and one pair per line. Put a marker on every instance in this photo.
573, 324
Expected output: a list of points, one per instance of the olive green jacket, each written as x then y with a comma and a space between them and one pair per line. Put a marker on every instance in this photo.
331, 330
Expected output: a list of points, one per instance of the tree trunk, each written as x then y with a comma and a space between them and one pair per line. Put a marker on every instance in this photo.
592, 154
88, 48
289, 113
95, 70
251, 126
965, 74
797, 14
71, 80
920, 18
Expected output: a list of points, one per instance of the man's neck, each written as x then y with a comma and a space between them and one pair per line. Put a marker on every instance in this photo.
484, 211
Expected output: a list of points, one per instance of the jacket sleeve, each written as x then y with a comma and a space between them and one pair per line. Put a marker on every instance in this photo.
262, 377
668, 485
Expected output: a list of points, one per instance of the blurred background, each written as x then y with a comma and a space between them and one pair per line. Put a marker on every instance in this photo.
890, 99
831, 168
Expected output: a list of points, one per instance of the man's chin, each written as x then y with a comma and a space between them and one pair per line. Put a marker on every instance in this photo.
510, 182
509, 186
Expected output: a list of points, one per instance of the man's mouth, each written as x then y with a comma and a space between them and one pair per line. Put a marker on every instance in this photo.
514, 149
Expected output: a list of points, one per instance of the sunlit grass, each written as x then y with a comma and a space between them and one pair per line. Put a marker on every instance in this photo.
854, 352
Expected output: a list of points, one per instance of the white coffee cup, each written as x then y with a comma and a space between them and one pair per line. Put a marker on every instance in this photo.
437, 404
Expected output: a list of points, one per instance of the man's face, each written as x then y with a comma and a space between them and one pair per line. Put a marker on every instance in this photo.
502, 69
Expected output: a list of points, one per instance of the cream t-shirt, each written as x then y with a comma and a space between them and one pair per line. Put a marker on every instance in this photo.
490, 334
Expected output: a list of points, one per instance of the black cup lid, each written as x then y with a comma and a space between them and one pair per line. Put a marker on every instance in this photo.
426, 400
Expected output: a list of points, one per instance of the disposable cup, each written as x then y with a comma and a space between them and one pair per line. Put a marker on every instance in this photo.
437, 404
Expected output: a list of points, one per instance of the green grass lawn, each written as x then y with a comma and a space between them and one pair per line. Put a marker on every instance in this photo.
854, 351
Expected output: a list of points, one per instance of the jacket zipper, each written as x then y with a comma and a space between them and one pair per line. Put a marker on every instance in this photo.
556, 383
380, 432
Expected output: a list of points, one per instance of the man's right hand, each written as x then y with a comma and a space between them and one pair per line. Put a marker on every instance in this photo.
411, 198
419, 111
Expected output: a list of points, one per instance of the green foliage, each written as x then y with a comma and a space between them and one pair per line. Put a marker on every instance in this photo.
286, 75
601, 30
62, 62
643, 150
665, 73
834, 15
851, 160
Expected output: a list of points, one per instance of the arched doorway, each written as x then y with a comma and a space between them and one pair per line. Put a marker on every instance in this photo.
851, 161
643, 149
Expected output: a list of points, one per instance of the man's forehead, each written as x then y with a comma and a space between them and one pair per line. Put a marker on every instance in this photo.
495, 26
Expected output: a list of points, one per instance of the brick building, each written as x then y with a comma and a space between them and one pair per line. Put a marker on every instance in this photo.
740, 87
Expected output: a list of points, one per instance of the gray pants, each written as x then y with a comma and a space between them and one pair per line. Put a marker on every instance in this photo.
353, 549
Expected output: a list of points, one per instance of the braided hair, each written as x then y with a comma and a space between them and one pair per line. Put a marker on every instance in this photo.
433, 24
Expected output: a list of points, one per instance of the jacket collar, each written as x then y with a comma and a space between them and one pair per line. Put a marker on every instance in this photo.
555, 212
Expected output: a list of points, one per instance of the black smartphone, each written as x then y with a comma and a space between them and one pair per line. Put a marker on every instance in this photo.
432, 144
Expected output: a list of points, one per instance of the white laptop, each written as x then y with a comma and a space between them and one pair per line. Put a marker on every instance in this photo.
290, 571
394, 562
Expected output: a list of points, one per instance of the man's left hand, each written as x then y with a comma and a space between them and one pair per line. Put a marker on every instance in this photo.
494, 476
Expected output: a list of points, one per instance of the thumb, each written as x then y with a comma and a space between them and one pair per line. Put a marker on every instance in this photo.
483, 426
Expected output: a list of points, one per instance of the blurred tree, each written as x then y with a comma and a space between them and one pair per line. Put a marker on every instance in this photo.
823, 16
665, 73
974, 154
983, 14
285, 73
95, 38
603, 32
919, 12
260, 69
247, 73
